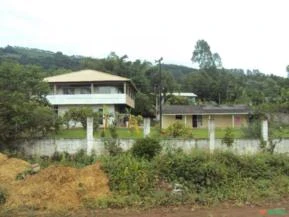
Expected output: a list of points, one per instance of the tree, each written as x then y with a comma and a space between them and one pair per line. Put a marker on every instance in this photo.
204, 57
24, 111
80, 114
144, 105
177, 100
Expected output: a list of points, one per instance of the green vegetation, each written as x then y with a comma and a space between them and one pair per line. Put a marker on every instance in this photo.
201, 177
228, 138
146, 148
210, 82
24, 112
111, 144
80, 114
79, 133
178, 129
174, 177
77, 160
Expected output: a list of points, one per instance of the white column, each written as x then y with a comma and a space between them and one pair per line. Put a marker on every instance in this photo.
265, 130
54, 89
124, 88
89, 135
146, 126
91, 88
211, 128
185, 120
233, 121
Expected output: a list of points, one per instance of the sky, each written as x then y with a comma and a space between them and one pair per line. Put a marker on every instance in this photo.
247, 34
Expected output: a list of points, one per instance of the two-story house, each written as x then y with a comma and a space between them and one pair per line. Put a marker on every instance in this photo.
101, 91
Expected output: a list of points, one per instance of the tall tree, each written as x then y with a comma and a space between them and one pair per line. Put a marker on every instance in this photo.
204, 57
24, 112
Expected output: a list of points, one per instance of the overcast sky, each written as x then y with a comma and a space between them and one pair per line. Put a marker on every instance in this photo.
248, 34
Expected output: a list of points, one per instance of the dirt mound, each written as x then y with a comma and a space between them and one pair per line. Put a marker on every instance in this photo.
59, 187
10, 168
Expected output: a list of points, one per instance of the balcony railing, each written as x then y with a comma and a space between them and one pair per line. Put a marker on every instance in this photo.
90, 99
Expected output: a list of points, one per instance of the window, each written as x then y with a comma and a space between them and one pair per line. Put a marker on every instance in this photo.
106, 90
179, 117
68, 90
84, 90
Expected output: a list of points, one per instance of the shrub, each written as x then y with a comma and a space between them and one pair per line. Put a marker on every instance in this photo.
112, 146
178, 129
195, 170
253, 131
80, 114
128, 175
146, 148
228, 137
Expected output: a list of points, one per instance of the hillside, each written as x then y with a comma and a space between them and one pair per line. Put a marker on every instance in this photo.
51, 61
218, 85
46, 59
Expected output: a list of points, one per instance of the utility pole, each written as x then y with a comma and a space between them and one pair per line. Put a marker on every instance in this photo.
160, 89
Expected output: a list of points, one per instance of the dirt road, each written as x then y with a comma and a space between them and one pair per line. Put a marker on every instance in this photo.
268, 210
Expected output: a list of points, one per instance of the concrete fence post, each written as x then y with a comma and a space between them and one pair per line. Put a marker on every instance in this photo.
211, 128
264, 130
146, 126
89, 135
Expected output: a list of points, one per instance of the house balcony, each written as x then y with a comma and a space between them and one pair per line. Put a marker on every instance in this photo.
90, 99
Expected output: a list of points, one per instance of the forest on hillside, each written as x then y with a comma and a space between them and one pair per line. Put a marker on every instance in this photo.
211, 81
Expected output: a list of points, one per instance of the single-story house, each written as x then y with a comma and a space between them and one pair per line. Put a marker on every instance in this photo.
197, 116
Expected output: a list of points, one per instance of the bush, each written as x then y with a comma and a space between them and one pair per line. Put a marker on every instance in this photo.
253, 131
112, 146
146, 148
129, 175
80, 114
196, 170
228, 137
178, 129
78, 160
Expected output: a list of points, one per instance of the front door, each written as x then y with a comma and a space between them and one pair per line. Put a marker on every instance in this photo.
195, 121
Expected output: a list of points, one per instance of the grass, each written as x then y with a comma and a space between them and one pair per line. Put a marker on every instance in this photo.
219, 133
282, 132
125, 133
80, 133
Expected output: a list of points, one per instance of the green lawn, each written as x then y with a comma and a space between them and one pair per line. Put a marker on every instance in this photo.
282, 132
79, 133
219, 133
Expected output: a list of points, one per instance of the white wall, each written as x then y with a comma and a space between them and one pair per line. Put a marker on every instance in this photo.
49, 146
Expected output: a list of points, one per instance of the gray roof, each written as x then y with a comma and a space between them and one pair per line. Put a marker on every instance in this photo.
204, 109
